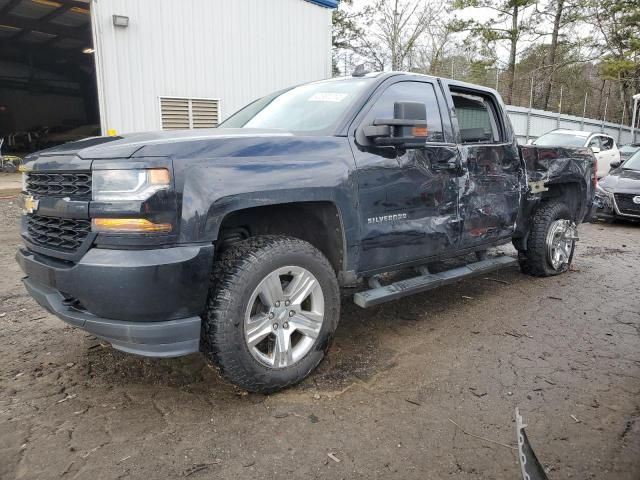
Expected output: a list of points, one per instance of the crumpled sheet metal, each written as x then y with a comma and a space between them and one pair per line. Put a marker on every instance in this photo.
490, 193
529, 464
557, 164
552, 166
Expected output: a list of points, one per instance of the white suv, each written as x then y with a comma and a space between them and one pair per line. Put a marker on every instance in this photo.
603, 146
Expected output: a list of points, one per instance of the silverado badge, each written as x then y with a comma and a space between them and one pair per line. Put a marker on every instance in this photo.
29, 204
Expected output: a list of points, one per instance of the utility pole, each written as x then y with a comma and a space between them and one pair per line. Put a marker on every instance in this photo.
604, 117
584, 110
529, 112
636, 98
559, 108
624, 110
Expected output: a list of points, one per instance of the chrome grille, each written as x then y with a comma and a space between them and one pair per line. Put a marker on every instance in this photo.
76, 185
66, 234
625, 203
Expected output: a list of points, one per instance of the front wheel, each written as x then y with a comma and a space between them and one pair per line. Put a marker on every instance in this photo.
272, 312
552, 241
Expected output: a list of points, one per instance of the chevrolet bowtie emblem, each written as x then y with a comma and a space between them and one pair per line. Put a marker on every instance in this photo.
29, 204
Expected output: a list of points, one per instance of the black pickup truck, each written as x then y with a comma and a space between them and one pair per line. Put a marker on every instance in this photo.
235, 241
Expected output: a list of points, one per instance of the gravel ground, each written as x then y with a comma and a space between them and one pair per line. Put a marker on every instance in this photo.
565, 350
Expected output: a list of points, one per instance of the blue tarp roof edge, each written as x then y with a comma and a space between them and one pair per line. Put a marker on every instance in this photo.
325, 3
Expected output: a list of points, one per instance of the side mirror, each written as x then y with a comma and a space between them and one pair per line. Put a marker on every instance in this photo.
595, 149
407, 128
615, 163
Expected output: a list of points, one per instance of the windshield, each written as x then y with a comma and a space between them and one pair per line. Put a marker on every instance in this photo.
553, 139
633, 163
307, 108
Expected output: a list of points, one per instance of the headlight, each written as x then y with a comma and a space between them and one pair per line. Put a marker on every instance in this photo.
602, 189
108, 185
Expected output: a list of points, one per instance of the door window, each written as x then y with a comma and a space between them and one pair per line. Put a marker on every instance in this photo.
594, 142
607, 143
410, 92
476, 118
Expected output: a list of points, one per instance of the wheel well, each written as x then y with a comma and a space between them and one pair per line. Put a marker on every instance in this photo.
318, 223
569, 193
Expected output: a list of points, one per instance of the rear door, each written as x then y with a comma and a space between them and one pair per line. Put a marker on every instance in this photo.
490, 190
407, 198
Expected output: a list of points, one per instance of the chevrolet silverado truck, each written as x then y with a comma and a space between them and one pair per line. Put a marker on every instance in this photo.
235, 241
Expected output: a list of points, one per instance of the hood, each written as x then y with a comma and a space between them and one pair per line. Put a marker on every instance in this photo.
156, 143
620, 180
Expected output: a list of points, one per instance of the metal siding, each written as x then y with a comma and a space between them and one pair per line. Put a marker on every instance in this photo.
234, 51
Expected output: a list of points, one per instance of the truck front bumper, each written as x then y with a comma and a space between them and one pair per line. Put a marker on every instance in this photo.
146, 302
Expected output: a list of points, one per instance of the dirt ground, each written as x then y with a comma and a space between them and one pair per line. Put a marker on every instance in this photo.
10, 184
565, 350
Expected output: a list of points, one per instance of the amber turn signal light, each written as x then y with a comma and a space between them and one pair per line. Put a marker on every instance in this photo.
159, 176
128, 225
420, 131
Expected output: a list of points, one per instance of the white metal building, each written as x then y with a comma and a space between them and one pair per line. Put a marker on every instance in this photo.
135, 65
190, 63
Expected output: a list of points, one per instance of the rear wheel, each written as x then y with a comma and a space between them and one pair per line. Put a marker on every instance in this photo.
272, 312
552, 241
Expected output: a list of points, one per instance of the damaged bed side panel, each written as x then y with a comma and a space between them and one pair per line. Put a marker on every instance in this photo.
556, 172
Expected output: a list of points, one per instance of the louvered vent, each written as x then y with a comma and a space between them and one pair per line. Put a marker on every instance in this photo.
185, 113
204, 113
175, 113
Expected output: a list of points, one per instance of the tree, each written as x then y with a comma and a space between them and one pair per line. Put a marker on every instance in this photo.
346, 30
394, 30
562, 15
618, 23
512, 20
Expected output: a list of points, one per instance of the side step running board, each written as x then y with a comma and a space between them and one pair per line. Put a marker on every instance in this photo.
404, 288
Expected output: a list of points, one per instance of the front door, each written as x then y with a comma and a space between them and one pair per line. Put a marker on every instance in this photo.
493, 175
408, 199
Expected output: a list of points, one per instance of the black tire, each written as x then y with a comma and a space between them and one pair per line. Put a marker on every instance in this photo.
534, 261
235, 276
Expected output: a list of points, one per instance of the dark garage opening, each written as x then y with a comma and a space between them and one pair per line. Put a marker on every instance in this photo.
48, 89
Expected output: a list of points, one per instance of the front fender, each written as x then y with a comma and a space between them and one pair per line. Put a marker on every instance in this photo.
270, 172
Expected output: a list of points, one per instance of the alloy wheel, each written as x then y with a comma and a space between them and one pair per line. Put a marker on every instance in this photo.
284, 317
560, 240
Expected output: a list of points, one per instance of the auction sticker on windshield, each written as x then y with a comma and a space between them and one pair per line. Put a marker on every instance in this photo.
327, 97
